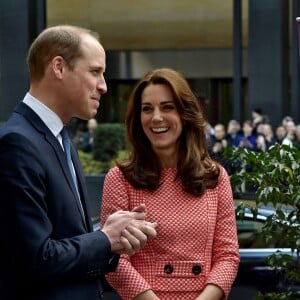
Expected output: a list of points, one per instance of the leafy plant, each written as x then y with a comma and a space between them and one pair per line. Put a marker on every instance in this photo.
274, 177
89, 165
109, 139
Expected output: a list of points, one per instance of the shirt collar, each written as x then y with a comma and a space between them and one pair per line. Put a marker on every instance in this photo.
48, 116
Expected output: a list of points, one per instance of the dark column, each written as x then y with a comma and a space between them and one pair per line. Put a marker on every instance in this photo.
268, 58
119, 63
20, 21
237, 58
295, 74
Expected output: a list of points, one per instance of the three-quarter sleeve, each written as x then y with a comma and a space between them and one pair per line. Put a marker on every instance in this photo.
225, 254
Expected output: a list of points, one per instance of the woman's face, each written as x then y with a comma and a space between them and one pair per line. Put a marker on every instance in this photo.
160, 119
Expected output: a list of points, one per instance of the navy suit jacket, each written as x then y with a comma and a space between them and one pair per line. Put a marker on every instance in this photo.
47, 250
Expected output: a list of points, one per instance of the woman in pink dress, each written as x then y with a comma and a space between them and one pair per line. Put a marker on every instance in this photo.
195, 254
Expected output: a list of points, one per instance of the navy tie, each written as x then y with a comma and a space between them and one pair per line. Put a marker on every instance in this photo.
67, 147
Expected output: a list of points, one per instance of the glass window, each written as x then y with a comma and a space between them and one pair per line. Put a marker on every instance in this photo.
249, 235
248, 230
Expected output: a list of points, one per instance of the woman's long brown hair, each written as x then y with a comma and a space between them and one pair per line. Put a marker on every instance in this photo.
196, 170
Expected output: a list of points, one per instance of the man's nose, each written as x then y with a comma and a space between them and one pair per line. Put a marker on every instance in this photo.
102, 86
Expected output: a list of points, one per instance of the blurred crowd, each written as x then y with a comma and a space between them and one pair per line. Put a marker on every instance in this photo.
83, 138
256, 133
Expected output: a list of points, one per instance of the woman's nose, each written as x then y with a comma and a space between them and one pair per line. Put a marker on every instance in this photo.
157, 116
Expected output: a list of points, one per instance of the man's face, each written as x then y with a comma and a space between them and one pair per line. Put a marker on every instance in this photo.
84, 85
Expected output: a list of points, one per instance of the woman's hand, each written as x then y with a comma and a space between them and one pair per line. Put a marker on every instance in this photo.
211, 292
147, 295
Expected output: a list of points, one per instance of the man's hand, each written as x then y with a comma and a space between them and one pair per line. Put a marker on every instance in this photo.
135, 236
128, 231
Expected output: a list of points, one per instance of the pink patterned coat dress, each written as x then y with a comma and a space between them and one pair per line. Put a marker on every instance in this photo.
196, 241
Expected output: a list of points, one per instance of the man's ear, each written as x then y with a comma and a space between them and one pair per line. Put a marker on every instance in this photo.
58, 66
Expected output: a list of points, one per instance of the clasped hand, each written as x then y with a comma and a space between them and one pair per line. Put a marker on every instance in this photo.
128, 231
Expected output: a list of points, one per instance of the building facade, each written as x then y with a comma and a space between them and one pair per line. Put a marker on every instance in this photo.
236, 54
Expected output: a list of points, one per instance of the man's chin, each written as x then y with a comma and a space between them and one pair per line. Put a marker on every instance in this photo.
87, 116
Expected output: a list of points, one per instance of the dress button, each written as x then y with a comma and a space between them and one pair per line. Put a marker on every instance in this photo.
196, 269
168, 269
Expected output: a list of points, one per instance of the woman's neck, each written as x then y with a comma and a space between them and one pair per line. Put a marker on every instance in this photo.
167, 159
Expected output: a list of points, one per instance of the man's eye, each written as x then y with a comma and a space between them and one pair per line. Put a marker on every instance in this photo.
95, 72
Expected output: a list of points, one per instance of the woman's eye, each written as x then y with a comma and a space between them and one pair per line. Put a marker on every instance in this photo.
146, 108
168, 107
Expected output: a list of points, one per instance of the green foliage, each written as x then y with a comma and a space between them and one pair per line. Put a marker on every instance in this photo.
277, 296
273, 174
274, 177
92, 167
122, 155
108, 148
109, 139
89, 165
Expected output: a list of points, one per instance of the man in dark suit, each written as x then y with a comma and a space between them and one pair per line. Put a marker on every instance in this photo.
48, 249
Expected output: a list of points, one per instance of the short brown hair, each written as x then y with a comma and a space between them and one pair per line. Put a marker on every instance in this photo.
61, 40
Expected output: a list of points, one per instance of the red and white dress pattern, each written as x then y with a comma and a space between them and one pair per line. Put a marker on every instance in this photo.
196, 241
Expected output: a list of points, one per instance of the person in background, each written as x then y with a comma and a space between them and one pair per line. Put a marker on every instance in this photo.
209, 134
290, 127
280, 134
48, 249
233, 130
247, 139
297, 137
261, 144
87, 139
285, 120
256, 118
268, 133
219, 143
79, 131
195, 254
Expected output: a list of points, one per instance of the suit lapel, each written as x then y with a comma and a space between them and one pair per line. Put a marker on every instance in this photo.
40, 126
